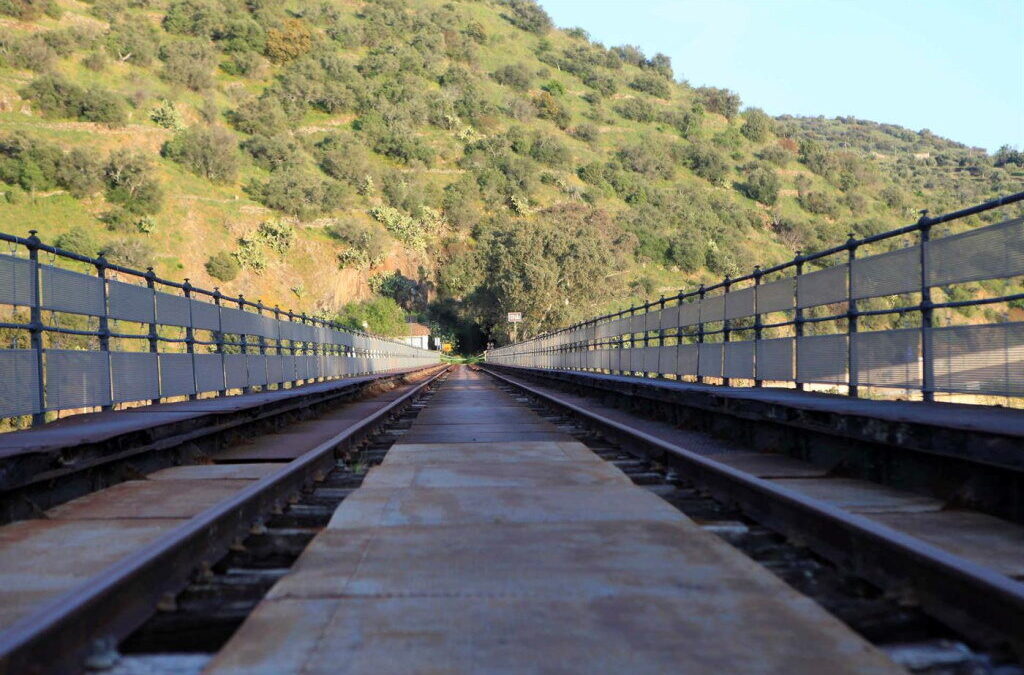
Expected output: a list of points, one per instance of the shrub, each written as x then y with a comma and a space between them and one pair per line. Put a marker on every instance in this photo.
380, 316
554, 87
135, 253
131, 183
272, 153
688, 251
96, 62
30, 10
190, 63
198, 18
54, 96
263, 116
549, 150
78, 240
649, 157
29, 52
654, 85
210, 152
278, 235
166, 115
588, 133
366, 245
686, 122
133, 40
550, 108
603, 84
757, 126
517, 76
636, 109
251, 255
288, 41
776, 155
223, 266
528, 15
80, 173
762, 185
707, 163
297, 192
721, 101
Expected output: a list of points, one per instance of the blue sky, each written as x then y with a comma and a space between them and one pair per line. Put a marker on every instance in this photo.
955, 67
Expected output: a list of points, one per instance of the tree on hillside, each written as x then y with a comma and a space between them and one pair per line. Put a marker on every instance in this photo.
210, 152
528, 15
757, 126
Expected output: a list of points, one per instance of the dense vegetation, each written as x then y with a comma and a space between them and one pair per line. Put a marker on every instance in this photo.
450, 160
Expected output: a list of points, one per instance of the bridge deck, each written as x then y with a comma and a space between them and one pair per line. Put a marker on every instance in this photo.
488, 540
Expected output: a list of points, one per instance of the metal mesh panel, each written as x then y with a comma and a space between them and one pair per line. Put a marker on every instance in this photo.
669, 318
302, 367
67, 291
990, 252
76, 379
134, 376
821, 358
20, 393
603, 330
888, 358
638, 324
712, 308
130, 302
238, 321
739, 359
209, 369
822, 287
17, 281
256, 365
205, 315
650, 359
776, 296
689, 314
686, 359
235, 376
986, 359
173, 310
288, 368
709, 362
889, 273
177, 375
775, 359
739, 303
268, 329
312, 366
275, 369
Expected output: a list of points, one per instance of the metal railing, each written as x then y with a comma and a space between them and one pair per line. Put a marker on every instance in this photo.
191, 340
794, 325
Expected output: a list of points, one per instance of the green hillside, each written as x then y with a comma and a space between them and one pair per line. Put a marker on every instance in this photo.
460, 159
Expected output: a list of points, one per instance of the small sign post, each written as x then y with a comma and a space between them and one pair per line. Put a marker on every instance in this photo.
515, 318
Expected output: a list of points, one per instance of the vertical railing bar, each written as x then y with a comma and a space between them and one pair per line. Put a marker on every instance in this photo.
758, 382
726, 326
700, 330
263, 344
103, 330
154, 335
798, 318
926, 310
36, 328
218, 337
243, 339
851, 321
190, 337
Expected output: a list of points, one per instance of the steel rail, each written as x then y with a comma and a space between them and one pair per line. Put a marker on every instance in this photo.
970, 597
63, 631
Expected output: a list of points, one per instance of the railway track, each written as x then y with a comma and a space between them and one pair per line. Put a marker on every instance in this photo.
118, 554
922, 603
227, 560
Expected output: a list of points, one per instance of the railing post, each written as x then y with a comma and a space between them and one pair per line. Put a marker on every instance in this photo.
291, 347
243, 339
798, 318
280, 350
927, 358
263, 345
700, 329
726, 381
661, 335
758, 325
104, 327
190, 335
218, 337
36, 328
154, 335
851, 321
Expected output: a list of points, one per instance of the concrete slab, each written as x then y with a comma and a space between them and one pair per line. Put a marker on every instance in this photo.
985, 539
41, 558
457, 426
524, 451
494, 474
766, 465
555, 560
469, 434
860, 496
368, 507
713, 633
215, 472
137, 499
475, 415
283, 447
